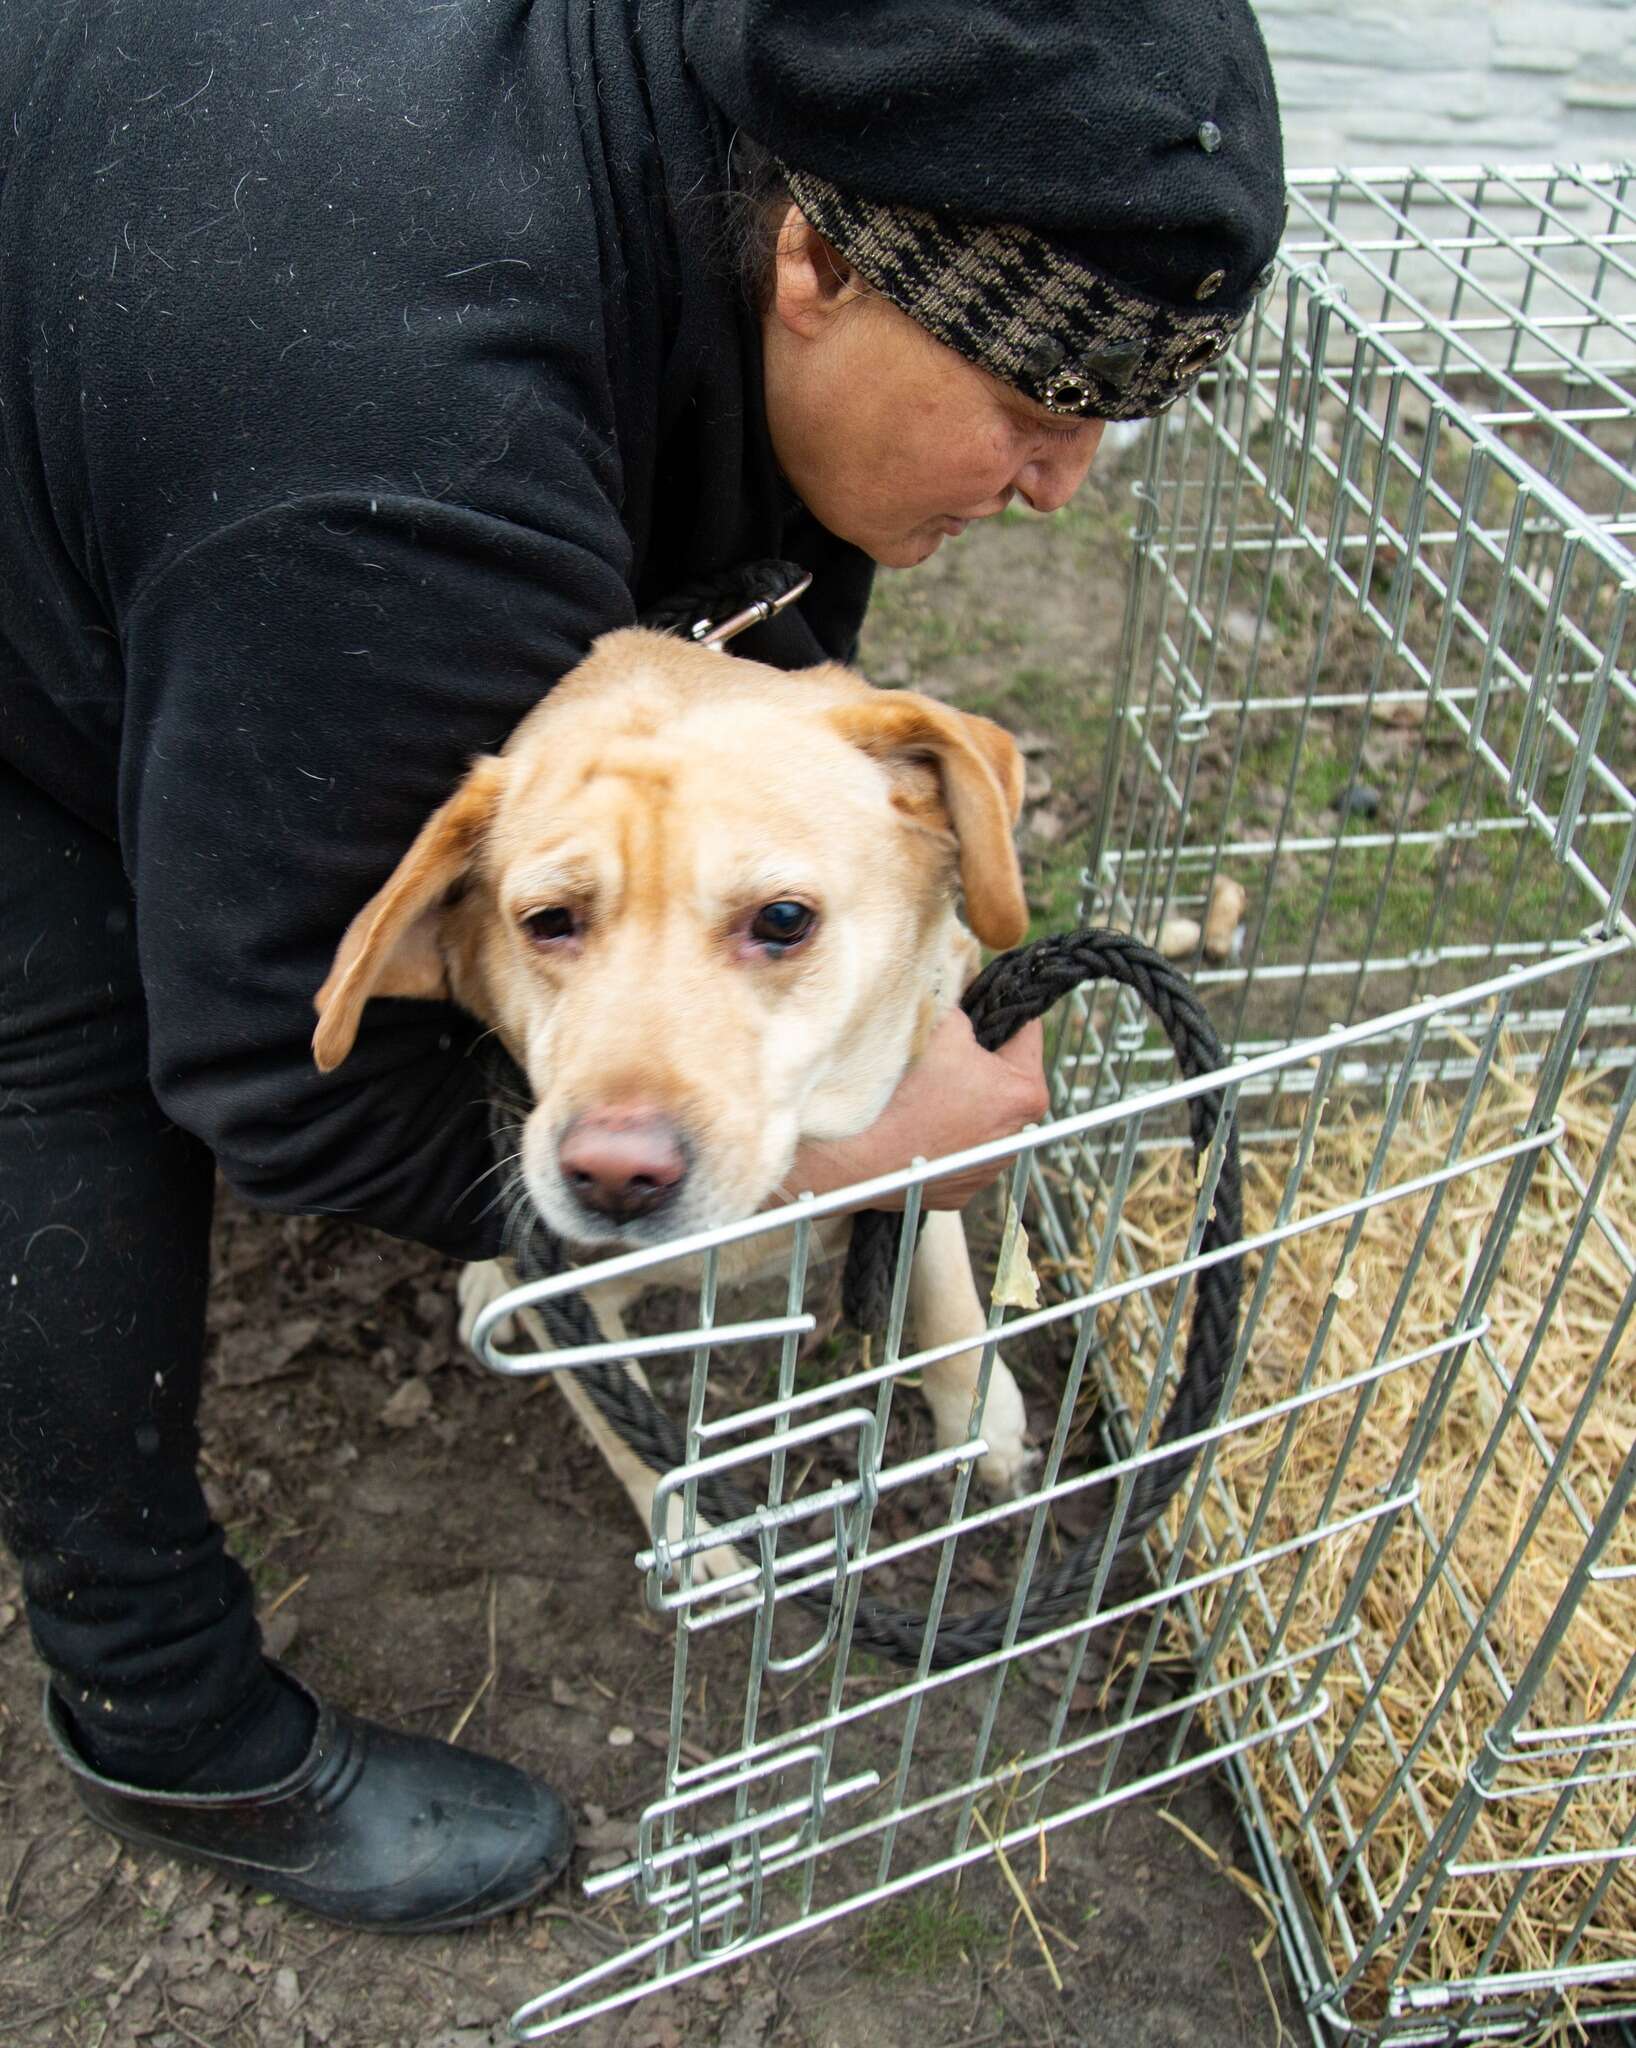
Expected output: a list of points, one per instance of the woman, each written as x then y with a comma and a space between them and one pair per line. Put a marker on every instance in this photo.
354, 375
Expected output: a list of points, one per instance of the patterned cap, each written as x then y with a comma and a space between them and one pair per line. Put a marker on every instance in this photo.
1083, 196
1079, 343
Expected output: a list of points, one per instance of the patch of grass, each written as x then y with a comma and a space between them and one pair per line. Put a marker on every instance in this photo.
925, 627
821, 1367
922, 1935
1286, 608
1054, 888
868, 1664
1491, 873
251, 1547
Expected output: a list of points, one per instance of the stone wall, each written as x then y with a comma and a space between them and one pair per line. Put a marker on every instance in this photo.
1431, 81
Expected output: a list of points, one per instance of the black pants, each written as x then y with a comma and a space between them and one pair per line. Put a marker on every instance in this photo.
143, 1618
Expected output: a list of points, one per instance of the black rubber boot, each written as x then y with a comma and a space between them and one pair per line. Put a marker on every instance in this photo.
399, 1833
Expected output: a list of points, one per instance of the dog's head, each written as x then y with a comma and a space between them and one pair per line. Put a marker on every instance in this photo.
705, 904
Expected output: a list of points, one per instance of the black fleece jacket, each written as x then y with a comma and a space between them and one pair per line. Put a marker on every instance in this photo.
357, 367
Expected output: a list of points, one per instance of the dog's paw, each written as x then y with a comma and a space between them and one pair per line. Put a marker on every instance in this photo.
707, 1564
1010, 1472
480, 1282
1008, 1466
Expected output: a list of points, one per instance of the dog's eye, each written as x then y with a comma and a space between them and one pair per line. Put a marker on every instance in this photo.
781, 925
547, 927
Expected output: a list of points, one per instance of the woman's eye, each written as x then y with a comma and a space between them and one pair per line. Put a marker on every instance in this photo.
546, 927
783, 924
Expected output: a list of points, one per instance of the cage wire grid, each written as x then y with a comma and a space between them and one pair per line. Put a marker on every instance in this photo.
1374, 702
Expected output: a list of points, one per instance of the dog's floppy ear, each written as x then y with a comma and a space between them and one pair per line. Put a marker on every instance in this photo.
981, 773
390, 947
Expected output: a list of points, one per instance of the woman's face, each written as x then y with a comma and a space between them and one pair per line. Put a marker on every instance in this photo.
887, 436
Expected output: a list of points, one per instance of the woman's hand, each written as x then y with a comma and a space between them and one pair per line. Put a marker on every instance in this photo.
954, 1096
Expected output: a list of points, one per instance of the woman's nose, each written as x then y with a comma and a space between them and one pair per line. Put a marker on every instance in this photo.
1050, 478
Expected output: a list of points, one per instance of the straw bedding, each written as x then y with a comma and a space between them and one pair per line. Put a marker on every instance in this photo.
1583, 1684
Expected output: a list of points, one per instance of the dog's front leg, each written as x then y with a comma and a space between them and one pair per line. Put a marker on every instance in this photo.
944, 1302
483, 1283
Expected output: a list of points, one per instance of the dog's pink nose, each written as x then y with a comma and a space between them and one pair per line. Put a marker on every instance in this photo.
622, 1162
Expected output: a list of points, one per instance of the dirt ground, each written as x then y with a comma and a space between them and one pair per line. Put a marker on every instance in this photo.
483, 1533
444, 1551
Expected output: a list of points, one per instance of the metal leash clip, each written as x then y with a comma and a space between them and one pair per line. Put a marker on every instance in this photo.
707, 633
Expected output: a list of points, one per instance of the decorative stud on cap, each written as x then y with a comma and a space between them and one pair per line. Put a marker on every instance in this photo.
1044, 356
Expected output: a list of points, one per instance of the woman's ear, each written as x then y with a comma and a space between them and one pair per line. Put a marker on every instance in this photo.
391, 948
812, 280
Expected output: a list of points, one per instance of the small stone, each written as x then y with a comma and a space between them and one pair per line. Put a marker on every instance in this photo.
1209, 137
1414, 409
411, 1403
1176, 938
286, 1989
1362, 800
279, 1632
608, 1837
620, 1737
296, 1333
375, 1500
1223, 916
1037, 783
1239, 626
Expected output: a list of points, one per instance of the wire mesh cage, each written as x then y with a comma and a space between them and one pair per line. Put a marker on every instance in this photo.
1376, 688
1371, 783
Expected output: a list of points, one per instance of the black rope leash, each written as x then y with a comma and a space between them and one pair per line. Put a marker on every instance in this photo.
1011, 991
